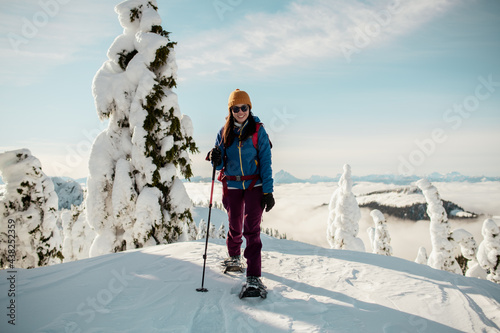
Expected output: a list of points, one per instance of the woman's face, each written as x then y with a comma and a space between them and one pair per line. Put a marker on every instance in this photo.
240, 116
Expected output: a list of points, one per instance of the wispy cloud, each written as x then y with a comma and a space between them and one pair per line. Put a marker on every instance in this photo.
39, 35
36, 37
305, 32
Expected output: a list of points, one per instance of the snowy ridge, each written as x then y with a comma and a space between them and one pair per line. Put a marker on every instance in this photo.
402, 196
311, 289
407, 202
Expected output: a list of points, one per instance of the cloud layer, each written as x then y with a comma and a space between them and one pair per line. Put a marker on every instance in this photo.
305, 32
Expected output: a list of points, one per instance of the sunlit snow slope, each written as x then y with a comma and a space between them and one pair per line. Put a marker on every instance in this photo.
311, 289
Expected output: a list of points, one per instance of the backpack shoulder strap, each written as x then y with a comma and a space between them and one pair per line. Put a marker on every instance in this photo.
255, 136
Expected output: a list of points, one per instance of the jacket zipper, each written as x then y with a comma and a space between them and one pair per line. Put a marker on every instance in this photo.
241, 164
240, 144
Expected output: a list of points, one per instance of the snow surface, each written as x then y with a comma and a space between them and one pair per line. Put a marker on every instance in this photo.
311, 289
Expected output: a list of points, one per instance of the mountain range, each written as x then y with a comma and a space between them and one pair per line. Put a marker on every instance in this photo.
284, 177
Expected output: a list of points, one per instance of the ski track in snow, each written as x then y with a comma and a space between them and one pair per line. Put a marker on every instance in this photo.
310, 289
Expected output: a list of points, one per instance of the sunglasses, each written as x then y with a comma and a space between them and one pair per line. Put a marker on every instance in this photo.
237, 109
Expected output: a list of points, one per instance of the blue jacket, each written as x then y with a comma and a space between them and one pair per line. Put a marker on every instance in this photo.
246, 160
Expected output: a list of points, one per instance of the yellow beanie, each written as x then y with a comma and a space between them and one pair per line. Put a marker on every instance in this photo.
239, 97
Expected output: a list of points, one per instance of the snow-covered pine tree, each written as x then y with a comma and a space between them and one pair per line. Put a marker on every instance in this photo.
379, 236
488, 254
276, 233
212, 232
442, 255
445, 243
466, 246
202, 230
192, 231
422, 257
78, 235
29, 211
221, 233
344, 216
330, 226
475, 270
134, 196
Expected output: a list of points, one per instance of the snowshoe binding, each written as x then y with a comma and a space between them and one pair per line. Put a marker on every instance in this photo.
253, 288
233, 264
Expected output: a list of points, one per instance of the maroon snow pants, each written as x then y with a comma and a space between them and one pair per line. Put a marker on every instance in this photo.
245, 214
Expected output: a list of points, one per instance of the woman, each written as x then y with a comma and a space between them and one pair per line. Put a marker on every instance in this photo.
243, 154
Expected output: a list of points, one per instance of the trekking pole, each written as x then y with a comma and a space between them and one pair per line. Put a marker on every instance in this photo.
202, 289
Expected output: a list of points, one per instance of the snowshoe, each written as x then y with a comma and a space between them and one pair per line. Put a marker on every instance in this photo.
233, 264
253, 288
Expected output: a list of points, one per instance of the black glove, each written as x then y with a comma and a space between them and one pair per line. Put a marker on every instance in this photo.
215, 156
267, 201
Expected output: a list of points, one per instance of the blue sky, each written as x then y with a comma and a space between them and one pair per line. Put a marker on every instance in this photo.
385, 86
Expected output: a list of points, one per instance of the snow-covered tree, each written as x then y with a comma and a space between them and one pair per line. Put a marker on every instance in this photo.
202, 230
422, 257
379, 235
442, 255
78, 235
475, 270
344, 216
192, 231
134, 196
276, 233
488, 254
445, 243
29, 212
221, 233
466, 248
212, 232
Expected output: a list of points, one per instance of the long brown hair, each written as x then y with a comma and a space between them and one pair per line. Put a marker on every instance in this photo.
228, 131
